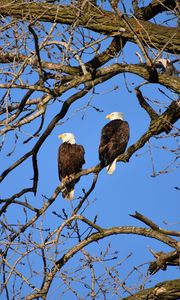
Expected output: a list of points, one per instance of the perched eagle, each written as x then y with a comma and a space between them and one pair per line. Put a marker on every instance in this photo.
70, 162
166, 66
114, 139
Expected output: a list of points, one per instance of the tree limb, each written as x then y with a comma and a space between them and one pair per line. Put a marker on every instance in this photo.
153, 9
163, 260
167, 290
97, 20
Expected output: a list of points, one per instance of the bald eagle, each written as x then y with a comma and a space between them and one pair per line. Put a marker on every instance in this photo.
70, 162
114, 139
166, 66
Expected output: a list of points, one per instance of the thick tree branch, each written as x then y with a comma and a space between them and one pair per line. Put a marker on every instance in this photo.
167, 290
97, 20
151, 112
154, 226
164, 122
161, 124
163, 260
154, 8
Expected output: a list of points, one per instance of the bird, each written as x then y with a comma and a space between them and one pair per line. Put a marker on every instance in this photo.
70, 162
166, 66
113, 142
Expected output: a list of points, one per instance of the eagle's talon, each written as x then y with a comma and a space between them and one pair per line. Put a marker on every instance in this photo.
71, 176
66, 178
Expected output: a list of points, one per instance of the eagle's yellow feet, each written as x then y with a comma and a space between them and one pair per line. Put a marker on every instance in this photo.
68, 177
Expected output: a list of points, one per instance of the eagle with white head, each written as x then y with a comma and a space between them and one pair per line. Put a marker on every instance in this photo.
70, 162
114, 139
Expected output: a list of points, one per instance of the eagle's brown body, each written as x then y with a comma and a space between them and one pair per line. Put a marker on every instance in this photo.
114, 139
70, 161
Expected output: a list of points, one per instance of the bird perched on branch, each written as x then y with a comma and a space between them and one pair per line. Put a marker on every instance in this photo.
70, 162
114, 139
166, 66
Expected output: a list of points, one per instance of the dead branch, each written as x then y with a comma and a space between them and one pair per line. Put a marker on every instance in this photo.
163, 260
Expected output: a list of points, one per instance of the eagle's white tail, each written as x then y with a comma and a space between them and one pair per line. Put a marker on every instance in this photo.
112, 167
70, 195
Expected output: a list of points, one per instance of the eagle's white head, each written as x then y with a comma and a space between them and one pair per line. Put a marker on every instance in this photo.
164, 62
67, 137
115, 116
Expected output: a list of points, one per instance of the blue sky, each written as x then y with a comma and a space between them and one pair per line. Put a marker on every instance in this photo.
131, 188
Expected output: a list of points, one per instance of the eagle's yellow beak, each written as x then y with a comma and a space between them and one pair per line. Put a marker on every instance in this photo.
60, 136
108, 116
